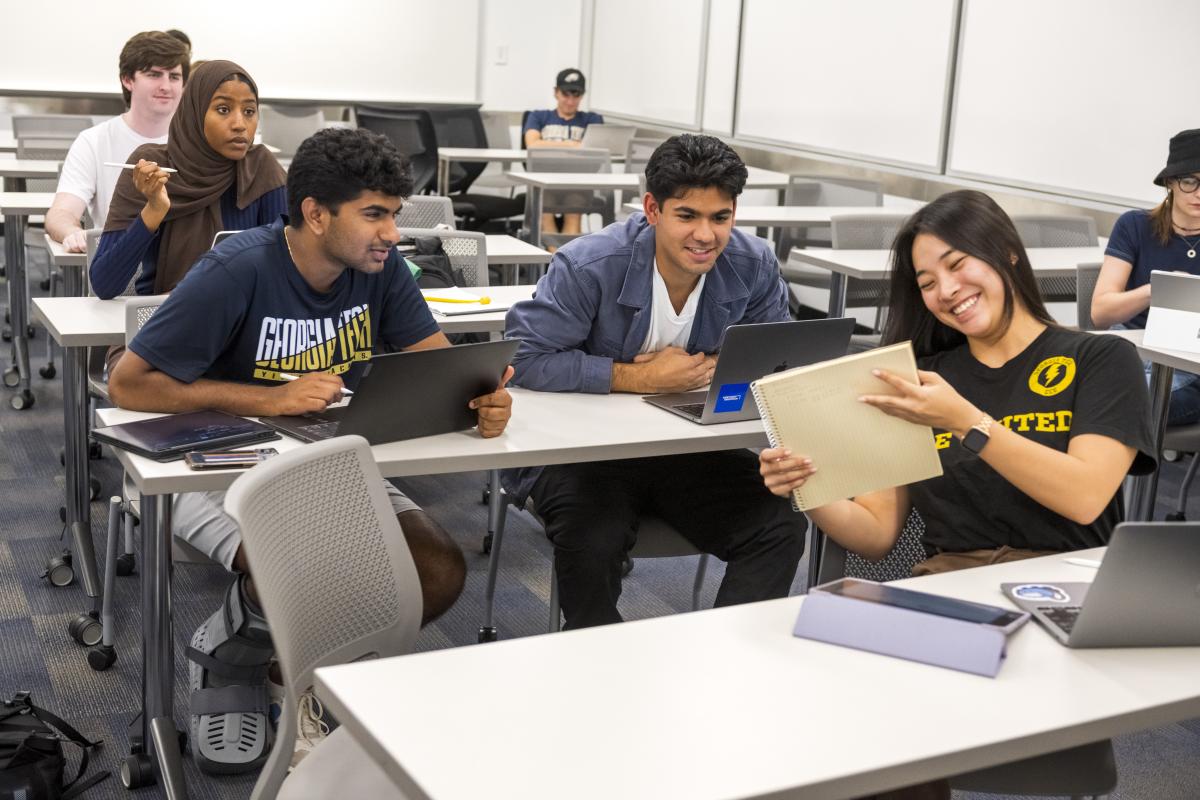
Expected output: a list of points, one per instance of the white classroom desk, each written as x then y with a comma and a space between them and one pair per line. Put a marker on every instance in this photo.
476, 155
8, 142
546, 428
59, 257
17, 207
17, 170
1047, 262
539, 182
726, 703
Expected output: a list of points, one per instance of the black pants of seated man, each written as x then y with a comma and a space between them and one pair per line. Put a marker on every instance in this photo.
716, 500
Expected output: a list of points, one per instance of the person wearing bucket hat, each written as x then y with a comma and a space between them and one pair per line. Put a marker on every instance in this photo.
561, 126
1166, 238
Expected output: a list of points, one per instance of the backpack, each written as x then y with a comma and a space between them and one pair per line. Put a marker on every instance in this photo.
432, 261
31, 753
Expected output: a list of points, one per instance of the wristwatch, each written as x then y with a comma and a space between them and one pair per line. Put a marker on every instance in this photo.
978, 435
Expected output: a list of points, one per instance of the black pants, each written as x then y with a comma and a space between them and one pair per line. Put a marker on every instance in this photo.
716, 500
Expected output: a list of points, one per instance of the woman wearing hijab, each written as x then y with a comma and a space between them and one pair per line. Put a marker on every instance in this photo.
163, 221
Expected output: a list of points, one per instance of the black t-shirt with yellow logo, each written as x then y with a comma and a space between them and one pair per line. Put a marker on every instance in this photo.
1064, 384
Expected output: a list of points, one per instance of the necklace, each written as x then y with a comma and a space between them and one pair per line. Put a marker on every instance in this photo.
288, 242
1191, 243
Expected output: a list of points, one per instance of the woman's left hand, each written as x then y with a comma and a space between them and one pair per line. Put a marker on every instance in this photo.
933, 402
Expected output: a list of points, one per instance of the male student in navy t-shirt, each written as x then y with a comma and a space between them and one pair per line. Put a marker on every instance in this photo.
561, 126
315, 293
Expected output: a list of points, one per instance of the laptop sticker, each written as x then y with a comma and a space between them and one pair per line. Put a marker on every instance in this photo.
731, 397
1041, 592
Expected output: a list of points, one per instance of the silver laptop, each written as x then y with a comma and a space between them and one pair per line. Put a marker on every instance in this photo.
749, 352
612, 138
1174, 319
1145, 594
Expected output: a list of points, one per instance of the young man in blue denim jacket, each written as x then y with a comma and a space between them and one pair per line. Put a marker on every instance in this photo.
641, 307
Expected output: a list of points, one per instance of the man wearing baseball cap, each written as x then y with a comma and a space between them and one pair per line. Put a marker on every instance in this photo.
562, 126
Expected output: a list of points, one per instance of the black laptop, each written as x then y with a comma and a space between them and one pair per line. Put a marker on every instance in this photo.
410, 394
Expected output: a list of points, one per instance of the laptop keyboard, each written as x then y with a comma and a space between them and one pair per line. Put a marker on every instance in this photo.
321, 430
691, 409
1062, 616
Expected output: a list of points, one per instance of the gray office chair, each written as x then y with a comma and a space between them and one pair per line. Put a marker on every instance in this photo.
330, 599
467, 251
420, 211
570, 201
1182, 439
1049, 230
638, 152
1089, 769
822, 190
286, 127
50, 126
499, 135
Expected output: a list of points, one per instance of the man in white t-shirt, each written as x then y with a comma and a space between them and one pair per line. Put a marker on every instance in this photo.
641, 306
153, 67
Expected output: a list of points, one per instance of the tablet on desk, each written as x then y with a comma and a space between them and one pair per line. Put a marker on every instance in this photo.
168, 438
1005, 619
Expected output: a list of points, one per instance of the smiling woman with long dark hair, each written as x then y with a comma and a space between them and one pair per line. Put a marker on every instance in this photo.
1036, 425
163, 221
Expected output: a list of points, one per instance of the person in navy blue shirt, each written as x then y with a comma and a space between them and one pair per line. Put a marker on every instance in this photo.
1165, 238
316, 293
220, 180
561, 126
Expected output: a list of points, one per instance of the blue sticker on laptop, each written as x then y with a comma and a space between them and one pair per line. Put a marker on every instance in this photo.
731, 397
1042, 592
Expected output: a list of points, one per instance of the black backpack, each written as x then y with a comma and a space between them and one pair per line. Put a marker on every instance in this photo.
436, 270
31, 753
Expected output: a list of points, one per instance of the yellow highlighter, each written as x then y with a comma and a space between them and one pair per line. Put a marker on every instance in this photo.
483, 301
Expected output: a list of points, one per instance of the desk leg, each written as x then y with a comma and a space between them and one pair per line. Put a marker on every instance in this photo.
497, 512
443, 176
1145, 487
76, 460
160, 737
18, 310
837, 295
535, 224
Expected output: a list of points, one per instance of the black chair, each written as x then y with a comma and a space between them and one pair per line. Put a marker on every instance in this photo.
463, 127
412, 131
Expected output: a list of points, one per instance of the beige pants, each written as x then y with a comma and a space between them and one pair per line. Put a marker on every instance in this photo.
948, 562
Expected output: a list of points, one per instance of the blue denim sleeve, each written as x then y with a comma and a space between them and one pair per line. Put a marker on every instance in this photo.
553, 328
769, 295
117, 258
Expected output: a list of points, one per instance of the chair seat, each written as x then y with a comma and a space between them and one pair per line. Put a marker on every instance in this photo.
336, 769
488, 206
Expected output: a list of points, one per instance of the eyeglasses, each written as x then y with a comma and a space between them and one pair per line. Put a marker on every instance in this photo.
571, 92
1188, 183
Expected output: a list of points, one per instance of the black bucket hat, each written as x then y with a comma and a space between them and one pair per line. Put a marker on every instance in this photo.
1183, 158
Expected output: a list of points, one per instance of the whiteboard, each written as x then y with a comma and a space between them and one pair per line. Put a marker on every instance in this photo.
400, 50
866, 79
1075, 96
648, 60
720, 69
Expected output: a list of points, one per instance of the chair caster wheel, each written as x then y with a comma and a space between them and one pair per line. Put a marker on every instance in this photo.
12, 378
59, 570
6, 334
1175, 516
86, 630
486, 496
94, 488
126, 564
102, 657
95, 452
487, 635
137, 771
62, 514
30, 332
44, 284
626, 566
62, 458
22, 401
487, 544
47, 371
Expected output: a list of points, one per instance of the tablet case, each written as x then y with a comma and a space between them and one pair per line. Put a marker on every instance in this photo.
168, 437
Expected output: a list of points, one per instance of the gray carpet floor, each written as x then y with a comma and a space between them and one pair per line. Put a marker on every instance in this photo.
37, 655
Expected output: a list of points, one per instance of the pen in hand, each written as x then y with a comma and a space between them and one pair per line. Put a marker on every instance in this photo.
119, 165
287, 376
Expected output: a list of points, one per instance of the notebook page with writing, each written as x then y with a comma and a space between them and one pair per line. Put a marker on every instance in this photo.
814, 411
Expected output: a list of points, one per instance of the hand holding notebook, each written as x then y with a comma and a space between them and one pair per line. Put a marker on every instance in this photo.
816, 411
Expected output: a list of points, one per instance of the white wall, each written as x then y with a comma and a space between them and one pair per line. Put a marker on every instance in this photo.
524, 45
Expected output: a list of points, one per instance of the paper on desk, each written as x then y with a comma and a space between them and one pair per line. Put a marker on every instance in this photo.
471, 306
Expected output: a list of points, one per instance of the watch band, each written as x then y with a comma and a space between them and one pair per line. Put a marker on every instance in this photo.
978, 435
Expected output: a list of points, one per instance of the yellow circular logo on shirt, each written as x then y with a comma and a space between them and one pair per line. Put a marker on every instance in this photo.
1052, 376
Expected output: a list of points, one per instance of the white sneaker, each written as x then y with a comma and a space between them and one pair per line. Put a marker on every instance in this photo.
311, 727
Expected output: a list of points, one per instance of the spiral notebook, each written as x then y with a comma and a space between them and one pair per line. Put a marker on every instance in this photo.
814, 411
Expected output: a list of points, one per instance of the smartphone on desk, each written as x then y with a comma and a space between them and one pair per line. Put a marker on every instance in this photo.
1004, 619
230, 459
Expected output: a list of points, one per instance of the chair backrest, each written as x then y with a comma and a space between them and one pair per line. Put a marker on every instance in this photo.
865, 231
330, 599
638, 152
286, 127
412, 131
467, 251
1085, 286
823, 190
460, 126
138, 311
50, 126
1049, 230
426, 212
837, 562
221, 236
495, 125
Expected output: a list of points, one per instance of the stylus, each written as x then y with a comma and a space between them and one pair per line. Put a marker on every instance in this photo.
1083, 562
119, 165
287, 376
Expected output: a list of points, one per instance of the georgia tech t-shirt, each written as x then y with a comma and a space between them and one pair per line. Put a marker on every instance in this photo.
1064, 384
245, 314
